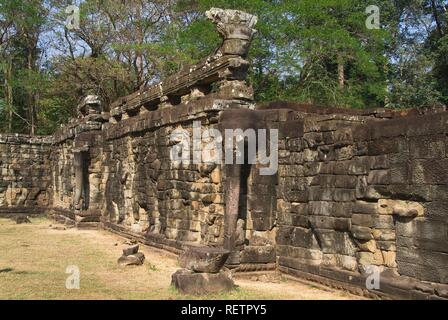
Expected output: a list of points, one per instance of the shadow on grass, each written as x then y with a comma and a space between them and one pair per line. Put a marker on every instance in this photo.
11, 270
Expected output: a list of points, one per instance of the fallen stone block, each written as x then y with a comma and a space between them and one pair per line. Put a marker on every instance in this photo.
189, 282
132, 260
22, 219
204, 259
130, 250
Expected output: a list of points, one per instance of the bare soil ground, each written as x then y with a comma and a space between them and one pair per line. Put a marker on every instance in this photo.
34, 258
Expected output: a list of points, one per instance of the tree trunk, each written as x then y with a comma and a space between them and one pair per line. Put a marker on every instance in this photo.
139, 63
437, 18
9, 96
341, 72
31, 100
8, 93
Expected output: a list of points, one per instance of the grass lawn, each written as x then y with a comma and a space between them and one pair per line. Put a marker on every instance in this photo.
34, 258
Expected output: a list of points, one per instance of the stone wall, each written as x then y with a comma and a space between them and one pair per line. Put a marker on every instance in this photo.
76, 166
115, 168
24, 178
148, 193
354, 188
357, 191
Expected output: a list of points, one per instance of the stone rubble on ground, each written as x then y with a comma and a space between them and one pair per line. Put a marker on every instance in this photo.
22, 219
131, 257
202, 271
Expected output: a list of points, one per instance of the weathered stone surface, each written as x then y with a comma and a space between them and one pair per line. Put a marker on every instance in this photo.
400, 208
363, 220
384, 235
442, 291
368, 258
368, 246
204, 259
387, 245
384, 222
365, 207
310, 255
24, 172
22, 219
189, 282
347, 262
131, 250
362, 233
379, 177
136, 259
437, 210
90, 105
303, 237
340, 261
258, 254
389, 259
353, 186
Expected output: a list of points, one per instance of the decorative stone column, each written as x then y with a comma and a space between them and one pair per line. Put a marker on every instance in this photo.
91, 105
202, 272
80, 159
236, 29
90, 120
242, 119
232, 197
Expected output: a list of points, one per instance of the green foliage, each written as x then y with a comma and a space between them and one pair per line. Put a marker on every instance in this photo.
180, 45
53, 112
98, 76
441, 68
312, 51
413, 85
324, 34
417, 76
296, 51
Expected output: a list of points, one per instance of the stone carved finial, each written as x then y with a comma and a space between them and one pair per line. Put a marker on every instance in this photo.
90, 105
236, 27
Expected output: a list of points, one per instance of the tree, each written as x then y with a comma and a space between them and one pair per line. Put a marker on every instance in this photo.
23, 21
29, 17
314, 51
6, 33
317, 51
417, 75
182, 46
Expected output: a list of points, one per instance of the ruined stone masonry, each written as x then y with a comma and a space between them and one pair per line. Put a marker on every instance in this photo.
355, 188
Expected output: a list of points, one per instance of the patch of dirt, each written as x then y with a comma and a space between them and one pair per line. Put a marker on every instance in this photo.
49, 249
283, 288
